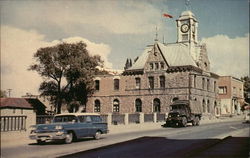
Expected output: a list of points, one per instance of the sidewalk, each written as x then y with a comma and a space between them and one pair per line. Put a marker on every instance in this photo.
15, 138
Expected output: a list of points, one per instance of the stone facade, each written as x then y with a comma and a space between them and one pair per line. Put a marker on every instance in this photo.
162, 74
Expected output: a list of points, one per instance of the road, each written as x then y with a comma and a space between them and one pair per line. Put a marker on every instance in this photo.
162, 142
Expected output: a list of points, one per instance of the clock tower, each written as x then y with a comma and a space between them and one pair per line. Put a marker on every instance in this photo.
187, 28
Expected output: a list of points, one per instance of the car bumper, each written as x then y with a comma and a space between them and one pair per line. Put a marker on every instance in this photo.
48, 136
173, 121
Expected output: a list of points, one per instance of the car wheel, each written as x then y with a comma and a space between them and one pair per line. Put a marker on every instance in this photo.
195, 122
40, 142
97, 135
198, 121
69, 138
184, 121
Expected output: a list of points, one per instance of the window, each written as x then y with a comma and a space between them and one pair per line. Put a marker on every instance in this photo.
174, 99
215, 85
97, 107
97, 85
116, 84
138, 105
151, 66
156, 66
208, 106
208, 84
194, 81
151, 82
156, 105
162, 81
222, 90
203, 83
137, 83
96, 119
204, 106
162, 65
234, 91
185, 37
116, 105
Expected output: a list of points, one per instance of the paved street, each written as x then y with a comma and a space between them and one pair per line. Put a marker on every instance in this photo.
168, 141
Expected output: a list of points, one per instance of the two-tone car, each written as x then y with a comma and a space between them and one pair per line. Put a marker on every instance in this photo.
69, 127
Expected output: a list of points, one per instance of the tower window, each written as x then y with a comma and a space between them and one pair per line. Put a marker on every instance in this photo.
185, 37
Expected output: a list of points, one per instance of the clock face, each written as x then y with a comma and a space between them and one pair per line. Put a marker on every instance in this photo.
184, 28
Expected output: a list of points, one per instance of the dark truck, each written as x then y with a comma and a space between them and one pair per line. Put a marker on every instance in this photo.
183, 112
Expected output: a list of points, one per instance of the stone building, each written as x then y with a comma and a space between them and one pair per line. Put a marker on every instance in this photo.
230, 95
164, 72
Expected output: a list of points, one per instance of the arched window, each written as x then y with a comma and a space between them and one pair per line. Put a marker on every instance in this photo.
97, 107
204, 106
138, 105
156, 105
116, 105
208, 106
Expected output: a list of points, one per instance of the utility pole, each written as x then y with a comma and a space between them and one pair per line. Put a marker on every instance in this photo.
9, 91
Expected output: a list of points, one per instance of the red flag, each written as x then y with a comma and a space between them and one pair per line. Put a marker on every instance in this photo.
167, 15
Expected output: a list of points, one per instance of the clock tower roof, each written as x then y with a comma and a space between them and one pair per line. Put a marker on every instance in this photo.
187, 15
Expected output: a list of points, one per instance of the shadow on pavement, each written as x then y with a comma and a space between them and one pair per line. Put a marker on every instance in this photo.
161, 147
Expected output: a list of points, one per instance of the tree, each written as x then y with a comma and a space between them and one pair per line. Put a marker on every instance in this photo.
68, 72
246, 81
3, 94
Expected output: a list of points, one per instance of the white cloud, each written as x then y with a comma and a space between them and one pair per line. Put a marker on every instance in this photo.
17, 49
128, 17
228, 56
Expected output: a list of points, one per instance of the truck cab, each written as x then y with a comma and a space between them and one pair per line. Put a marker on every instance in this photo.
181, 113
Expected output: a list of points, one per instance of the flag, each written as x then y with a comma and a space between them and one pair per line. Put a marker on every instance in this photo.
167, 15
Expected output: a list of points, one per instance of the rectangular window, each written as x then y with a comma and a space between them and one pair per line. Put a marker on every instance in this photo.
151, 65
162, 81
151, 82
156, 66
162, 65
203, 83
215, 85
116, 84
97, 85
194, 81
208, 84
223, 90
137, 83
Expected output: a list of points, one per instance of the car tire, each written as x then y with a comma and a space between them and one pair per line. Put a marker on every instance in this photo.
195, 122
40, 142
184, 121
198, 121
97, 135
69, 138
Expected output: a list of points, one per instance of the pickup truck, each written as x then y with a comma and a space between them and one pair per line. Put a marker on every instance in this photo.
183, 112
69, 127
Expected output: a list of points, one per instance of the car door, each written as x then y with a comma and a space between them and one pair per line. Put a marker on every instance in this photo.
84, 126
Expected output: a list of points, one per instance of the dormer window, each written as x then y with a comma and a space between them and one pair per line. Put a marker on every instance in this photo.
151, 65
162, 65
156, 66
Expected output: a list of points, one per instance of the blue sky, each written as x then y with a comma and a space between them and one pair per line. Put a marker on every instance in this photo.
117, 30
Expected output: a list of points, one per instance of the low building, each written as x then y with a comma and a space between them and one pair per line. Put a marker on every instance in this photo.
230, 94
16, 114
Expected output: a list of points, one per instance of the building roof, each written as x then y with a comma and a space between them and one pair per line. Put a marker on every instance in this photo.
78, 114
176, 54
186, 15
15, 103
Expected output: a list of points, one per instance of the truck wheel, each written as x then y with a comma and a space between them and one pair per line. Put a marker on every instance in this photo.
195, 122
184, 121
69, 138
97, 135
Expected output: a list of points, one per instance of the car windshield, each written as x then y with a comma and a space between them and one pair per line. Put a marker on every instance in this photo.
65, 118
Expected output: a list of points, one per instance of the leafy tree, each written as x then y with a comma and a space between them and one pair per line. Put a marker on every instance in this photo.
3, 94
246, 81
68, 72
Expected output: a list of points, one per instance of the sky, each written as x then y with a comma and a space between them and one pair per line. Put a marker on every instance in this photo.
116, 30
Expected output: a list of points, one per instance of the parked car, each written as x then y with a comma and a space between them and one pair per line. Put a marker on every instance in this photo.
69, 127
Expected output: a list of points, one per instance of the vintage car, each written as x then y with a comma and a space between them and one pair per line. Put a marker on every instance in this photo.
69, 127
